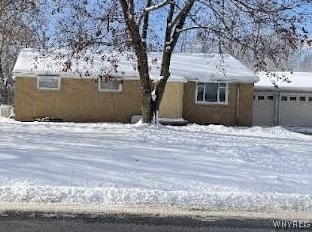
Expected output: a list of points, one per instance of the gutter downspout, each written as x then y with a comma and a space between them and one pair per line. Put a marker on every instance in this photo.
237, 105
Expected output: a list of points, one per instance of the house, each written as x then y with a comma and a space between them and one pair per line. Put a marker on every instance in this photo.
283, 98
202, 88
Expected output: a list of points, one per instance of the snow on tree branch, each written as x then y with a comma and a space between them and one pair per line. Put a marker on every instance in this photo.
158, 6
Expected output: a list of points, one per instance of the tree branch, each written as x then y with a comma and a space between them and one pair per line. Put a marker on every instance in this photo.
157, 6
179, 21
145, 21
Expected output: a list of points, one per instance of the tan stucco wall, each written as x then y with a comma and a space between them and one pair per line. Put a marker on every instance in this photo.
78, 100
172, 103
220, 114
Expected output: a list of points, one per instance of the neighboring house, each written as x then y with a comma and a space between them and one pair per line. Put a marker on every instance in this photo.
283, 99
202, 88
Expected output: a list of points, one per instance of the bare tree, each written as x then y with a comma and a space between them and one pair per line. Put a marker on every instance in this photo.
257, 29
82, 24
232, 21
16, 31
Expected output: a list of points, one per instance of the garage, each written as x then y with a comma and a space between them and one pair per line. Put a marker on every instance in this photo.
283, 99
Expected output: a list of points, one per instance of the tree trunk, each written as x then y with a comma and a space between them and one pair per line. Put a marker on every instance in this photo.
145, 84
3, 86
139, 46
151, 104
171, 38
147, 109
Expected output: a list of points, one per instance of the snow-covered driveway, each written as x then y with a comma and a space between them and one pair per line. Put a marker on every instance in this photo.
198, 166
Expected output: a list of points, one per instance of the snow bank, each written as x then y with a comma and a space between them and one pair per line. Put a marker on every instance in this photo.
194, 166
210, 198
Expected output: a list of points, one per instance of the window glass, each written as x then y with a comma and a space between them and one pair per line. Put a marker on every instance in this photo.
222, 94
48, 82
211, 92
110, 85
270, 98
200, 94
310, 99
284, 98
260, 97
292, 98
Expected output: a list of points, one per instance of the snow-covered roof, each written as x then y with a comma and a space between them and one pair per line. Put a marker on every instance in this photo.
184, 66
285, 80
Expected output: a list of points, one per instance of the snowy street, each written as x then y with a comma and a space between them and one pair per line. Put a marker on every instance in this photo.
82, 223
213, 167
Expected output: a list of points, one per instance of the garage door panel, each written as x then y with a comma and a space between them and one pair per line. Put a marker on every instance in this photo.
295, 113
263, 113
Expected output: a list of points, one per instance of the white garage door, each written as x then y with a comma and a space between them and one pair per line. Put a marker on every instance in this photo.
285, 109
295, 110
264, 109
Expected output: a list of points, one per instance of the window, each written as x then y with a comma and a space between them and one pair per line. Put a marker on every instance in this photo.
292, 98
110, 86
270, 98
284, 98
302, 99
49, 82
260, 98
310, 99
212, 93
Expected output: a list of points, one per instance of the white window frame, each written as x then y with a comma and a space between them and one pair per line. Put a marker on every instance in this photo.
49, 76
218, 94
109, 90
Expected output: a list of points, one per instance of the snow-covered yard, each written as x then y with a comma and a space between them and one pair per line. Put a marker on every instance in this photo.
213, 167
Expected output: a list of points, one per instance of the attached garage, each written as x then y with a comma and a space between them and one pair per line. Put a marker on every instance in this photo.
283, 99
